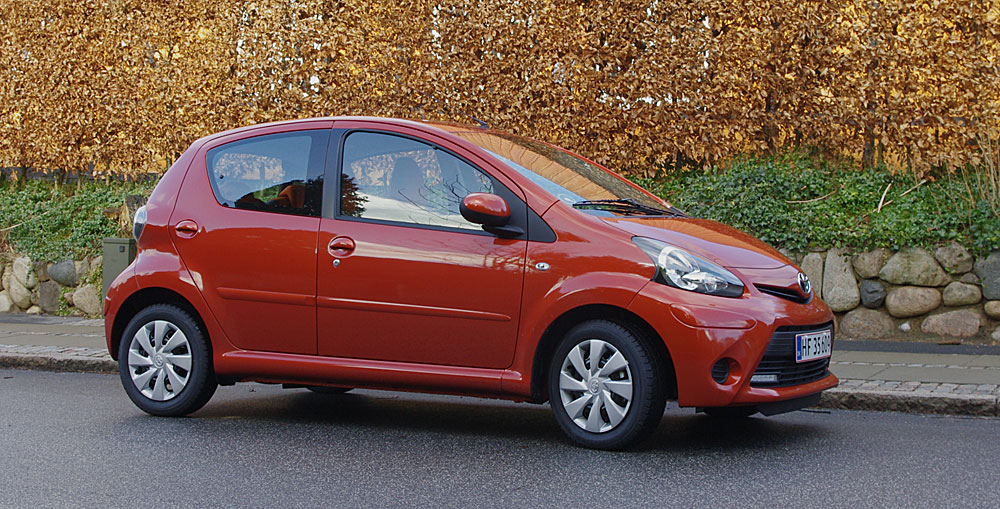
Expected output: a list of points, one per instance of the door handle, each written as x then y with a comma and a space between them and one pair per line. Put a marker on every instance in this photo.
341, 246
186, 228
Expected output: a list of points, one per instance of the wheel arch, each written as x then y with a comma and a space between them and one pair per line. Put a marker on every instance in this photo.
566, 321
147, 297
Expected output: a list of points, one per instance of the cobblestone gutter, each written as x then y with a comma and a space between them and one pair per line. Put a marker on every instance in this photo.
915, 396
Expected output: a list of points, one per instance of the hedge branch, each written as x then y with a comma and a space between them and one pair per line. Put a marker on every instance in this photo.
922, 182
881, 202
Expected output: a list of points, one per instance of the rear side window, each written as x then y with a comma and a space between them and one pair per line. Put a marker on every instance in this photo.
281, 173
398, 179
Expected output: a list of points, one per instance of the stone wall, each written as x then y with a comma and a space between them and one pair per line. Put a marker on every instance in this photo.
34, 288
910, 294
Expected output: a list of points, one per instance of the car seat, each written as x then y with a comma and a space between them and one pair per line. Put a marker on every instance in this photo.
407, 182
292, 196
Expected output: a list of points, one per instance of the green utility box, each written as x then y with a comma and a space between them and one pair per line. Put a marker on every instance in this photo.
118, 254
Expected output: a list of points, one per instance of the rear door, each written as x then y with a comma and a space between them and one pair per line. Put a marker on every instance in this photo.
246, 223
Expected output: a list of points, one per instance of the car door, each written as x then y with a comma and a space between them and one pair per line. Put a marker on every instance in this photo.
245, 225
401, 275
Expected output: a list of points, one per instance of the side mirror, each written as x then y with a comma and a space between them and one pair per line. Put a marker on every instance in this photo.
492, 212
485, 209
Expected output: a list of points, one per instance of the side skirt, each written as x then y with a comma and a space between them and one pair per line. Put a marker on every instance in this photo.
273, 367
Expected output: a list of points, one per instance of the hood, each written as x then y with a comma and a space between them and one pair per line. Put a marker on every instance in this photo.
712, 240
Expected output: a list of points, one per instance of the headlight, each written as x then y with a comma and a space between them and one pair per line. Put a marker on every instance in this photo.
681, 269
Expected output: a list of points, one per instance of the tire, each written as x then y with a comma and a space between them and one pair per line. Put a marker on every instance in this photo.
730, 412
151, 378
629, 398
323, 389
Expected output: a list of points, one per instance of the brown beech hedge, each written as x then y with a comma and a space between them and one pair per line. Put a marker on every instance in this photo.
123, 86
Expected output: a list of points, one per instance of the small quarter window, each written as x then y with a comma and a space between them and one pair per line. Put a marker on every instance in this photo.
394, 178
280, 173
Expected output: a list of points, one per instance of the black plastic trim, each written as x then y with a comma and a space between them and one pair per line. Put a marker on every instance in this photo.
789, 405
720, 371
331, 189
504, 231
804, 328
779, 359
538, 229
784, 293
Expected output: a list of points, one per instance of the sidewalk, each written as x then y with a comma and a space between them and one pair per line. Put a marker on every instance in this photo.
916, 377
54, 344
874, 375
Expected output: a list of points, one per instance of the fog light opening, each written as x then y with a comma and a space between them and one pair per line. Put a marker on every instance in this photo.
726, 371
720, 371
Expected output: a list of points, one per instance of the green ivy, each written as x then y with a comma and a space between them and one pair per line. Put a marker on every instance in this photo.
50, 222
797, 201
64, 308
794, 201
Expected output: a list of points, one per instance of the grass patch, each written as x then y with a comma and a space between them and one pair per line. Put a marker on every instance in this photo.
50, 222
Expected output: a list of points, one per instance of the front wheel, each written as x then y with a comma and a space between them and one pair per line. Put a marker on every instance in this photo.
165, 362
605, 386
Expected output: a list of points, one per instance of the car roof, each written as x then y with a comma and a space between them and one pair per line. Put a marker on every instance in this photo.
442, 127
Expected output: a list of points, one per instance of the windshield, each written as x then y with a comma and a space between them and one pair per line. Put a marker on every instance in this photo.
570, 178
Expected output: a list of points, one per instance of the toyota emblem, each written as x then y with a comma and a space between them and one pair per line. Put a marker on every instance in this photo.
804, 283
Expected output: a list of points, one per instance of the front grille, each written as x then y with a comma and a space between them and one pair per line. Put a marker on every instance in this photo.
783, 293
778, 366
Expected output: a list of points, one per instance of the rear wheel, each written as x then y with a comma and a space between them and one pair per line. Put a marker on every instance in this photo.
164, 362
605, 386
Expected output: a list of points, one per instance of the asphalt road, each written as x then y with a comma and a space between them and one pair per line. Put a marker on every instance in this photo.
74, 439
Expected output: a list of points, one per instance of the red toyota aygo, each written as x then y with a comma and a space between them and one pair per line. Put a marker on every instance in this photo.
337, 253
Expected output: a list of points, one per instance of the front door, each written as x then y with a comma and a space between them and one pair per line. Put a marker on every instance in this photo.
401, 275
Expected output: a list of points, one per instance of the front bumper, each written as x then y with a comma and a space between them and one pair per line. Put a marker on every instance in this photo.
702, 330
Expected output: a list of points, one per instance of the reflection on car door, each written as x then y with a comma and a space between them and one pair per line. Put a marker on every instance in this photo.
255, 208
401, 275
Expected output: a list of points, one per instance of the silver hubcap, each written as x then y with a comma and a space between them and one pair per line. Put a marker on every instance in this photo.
159, 360
595, 385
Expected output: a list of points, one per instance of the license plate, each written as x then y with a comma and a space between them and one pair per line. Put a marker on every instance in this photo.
813, 345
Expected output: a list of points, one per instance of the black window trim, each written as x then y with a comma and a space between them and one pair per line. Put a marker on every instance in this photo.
335, 166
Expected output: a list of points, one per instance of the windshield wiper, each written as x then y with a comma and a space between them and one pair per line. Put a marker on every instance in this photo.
626, 205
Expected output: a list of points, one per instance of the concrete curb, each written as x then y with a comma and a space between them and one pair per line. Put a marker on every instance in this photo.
919, 402
981, 405
58, 362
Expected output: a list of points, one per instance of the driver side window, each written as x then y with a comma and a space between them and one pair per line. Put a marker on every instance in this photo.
393, 178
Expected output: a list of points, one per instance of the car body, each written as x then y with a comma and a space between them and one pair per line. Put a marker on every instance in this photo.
299, 253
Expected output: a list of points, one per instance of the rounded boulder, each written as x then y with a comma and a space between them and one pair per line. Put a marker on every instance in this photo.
864, 323
907, 301
960, 324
